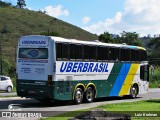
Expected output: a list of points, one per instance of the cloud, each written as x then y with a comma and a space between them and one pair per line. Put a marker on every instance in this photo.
141, 16
56, 11
105, 25
85, 20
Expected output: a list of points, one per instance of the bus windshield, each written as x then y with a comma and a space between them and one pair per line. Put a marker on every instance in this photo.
33, 53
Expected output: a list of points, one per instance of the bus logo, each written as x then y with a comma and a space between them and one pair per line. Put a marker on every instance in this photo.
83, 67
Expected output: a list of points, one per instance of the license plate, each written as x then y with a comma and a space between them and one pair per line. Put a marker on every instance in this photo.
31, 92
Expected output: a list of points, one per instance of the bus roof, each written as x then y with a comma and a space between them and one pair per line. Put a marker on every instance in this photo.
94, 42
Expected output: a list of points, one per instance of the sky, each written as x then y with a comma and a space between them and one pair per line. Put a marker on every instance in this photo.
99, 16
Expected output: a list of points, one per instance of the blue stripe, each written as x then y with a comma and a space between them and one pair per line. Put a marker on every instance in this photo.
132, 47
120, 79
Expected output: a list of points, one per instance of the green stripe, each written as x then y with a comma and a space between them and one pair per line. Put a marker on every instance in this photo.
112, 77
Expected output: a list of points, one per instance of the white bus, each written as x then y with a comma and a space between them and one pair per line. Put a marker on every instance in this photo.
55, 68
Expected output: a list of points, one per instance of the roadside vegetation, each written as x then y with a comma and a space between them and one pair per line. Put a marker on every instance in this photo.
155, 79
148, 106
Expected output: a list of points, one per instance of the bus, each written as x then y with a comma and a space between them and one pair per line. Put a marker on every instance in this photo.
55, 68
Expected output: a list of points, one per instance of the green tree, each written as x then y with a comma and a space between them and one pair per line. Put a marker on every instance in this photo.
154, 46
105, 37
154, 43
130, 38
21, 3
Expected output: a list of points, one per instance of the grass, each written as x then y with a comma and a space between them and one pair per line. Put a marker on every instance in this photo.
152, 106
140, 106
155, 80
14, 84
134, 106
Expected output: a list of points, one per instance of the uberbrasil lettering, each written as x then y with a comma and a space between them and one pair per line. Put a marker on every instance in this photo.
83, 67
33, 42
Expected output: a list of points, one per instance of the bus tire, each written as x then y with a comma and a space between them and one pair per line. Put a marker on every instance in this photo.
89, 95
78, 96
133, 91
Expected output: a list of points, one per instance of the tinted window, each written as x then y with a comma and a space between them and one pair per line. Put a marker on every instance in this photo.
72, 51
89, 52
102, 53
137, 55
33, 53
78, 49
86, 52
124, 54
3, 78
143, 55
62, 50
65, 51
114, 54
92, 52
59, 50
133, 55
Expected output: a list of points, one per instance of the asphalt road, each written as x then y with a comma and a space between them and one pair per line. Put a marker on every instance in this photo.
54, 108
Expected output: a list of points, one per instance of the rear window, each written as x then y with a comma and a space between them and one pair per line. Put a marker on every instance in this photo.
33, 53
3, 78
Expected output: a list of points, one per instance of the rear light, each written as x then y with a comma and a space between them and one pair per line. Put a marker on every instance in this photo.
50, 82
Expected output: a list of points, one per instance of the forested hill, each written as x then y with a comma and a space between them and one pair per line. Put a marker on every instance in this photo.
16, 22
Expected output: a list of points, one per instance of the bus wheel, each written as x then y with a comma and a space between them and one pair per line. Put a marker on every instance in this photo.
78, 96
89, 95
134, 91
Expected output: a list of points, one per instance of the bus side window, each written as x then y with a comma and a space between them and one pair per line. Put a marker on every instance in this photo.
59, 51
72, 51
137, 57
93, 53
133, 55
78, 49
105, 50
102, 53
111, 52
65, 51
143, 55
125, 54
114, 54
86, 50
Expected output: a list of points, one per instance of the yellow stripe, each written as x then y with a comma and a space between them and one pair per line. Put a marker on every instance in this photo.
141, 48
129, 78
